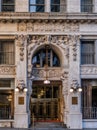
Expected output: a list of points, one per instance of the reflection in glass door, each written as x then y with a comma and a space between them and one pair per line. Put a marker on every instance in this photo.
45, 102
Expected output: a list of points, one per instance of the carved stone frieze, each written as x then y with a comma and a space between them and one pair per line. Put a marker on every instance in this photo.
41, 73
48, 27
88, 70
7, 70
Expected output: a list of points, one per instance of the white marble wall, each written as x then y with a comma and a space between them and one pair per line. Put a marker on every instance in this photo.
73, 6
21, 5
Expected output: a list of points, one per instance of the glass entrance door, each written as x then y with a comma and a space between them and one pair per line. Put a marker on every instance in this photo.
45, 102
45, 110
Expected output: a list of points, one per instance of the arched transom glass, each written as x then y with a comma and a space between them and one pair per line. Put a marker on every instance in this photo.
45, 56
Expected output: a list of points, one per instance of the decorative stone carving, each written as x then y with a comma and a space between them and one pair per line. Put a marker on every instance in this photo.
7, 70
60, 41
21, 41
41, 73
29, 70
22, 26
20, 84
64, 78
74, 41
49, 27
74, 84
30, 27
88, 70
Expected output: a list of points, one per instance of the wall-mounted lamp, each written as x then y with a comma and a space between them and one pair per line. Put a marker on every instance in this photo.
21, 87
78, 89
75, 87
18, 89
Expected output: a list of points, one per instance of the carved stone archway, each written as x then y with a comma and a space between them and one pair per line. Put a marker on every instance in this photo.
60, 45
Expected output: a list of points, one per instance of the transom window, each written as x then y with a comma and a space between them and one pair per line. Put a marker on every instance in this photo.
7, 5
7, 52
86, 5
55, 5
87, 52
37, 5
45, 57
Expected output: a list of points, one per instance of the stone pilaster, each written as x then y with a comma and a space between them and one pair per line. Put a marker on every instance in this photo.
21, 112
74, 118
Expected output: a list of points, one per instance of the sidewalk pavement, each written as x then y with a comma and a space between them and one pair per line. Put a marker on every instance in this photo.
6, 128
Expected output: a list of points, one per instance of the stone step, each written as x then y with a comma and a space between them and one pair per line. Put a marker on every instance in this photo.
48, 125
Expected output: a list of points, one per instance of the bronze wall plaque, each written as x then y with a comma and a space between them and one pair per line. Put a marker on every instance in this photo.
74, 100
21, 100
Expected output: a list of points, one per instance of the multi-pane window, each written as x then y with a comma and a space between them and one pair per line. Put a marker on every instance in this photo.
89, 98
7, 5
55, 5
37, 5
6, 98
7, 52
45, 57
86, 5
87, 52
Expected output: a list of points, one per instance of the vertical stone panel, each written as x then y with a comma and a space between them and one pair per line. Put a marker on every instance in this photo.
22, 6
95, 6
73, 6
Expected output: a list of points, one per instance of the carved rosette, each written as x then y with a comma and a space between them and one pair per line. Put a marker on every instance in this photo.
7, 70
64, 78
21, 41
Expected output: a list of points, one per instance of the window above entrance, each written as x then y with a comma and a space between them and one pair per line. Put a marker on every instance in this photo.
37, 5
45, 57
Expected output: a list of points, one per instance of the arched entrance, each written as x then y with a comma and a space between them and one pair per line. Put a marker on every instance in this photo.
46, 101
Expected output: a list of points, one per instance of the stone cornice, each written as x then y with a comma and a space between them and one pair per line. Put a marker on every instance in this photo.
46, 17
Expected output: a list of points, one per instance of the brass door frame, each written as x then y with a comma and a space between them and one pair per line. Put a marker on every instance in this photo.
50, 106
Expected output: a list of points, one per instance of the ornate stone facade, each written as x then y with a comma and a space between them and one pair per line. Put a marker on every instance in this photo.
63, 32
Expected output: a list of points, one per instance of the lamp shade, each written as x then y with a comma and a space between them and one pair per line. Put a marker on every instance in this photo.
46, 81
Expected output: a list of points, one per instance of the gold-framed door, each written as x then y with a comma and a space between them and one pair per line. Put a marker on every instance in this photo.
47, 106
